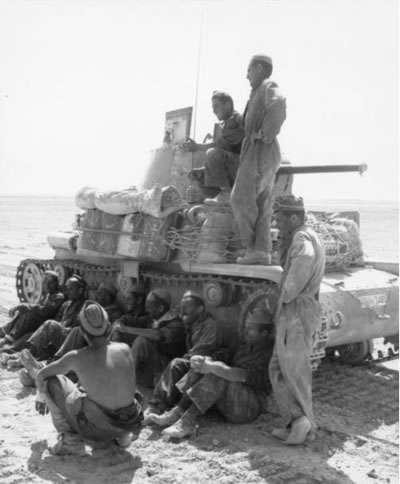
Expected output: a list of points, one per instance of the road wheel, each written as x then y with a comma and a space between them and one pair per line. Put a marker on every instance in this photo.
353, 353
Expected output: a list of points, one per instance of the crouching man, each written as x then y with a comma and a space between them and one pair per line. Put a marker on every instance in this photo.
237, 388
107, 409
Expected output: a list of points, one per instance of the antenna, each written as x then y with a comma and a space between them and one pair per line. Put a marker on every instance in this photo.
198, 71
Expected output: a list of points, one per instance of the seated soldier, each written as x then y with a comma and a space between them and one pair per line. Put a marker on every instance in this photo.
134, 317
105, 296
237, 387
49, 337
203, 337
222, 155
26, 318
107, 409
163, 339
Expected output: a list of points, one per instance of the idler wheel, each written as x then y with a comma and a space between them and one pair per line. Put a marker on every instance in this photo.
29, 282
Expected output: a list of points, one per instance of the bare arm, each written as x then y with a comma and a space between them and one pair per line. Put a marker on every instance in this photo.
191, 145
65, 364
149, 333
218, 368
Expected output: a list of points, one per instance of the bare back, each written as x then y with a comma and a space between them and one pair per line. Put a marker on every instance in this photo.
107, 373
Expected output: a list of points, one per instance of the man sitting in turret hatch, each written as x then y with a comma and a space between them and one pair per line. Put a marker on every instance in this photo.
223, 153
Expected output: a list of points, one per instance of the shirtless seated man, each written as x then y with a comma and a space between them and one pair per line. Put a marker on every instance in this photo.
107, 409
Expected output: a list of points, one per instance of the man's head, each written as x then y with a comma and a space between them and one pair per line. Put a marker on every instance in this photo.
106, 294
135, 297
260, 68
192, 306
258, 325
158, 303
94, 321
289, 214
222, 105
50, 281
75, 287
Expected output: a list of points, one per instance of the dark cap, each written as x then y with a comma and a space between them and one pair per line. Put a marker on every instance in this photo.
193, 295
266, 59
288, 203
51, 274
109, 287
161, 294
78, 280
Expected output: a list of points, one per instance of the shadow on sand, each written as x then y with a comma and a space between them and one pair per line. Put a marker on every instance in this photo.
90, 468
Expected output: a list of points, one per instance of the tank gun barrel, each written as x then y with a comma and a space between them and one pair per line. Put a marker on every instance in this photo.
291, 170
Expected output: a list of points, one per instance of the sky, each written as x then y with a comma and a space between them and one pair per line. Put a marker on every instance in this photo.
84, 86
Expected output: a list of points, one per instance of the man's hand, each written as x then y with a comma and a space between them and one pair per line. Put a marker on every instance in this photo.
40, 405
200, 364
120, 326
190, 145
21, 309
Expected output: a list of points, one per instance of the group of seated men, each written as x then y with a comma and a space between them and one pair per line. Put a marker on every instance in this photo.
86, 358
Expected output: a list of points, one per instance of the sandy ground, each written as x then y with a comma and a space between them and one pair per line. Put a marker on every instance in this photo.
356, 409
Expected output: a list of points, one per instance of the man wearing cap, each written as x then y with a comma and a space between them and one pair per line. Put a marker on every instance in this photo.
104, 409
259, 161
26, 318
237, 385
162, 340
134, 317
222, 154
49, 337
203, 338
297, 320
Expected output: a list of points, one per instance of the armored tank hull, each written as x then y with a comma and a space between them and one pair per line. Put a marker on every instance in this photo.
181, 252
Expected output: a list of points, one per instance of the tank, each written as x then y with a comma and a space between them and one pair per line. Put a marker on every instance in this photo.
194, 246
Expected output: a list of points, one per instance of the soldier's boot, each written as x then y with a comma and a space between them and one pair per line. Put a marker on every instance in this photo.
164, 420
68, 443
281, 434
184, 427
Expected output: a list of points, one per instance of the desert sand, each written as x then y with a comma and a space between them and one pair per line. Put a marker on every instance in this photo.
356, 409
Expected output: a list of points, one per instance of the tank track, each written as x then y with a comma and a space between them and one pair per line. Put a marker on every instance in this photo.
94, 274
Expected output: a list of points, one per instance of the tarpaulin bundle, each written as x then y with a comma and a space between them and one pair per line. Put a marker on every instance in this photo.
157, 201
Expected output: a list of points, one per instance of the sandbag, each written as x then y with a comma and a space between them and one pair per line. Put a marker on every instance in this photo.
85, 198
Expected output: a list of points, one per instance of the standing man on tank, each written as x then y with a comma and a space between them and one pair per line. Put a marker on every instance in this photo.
259, 161
222, 154
297, 320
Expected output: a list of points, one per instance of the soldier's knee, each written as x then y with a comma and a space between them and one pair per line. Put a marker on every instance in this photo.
213, 156
53, 385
